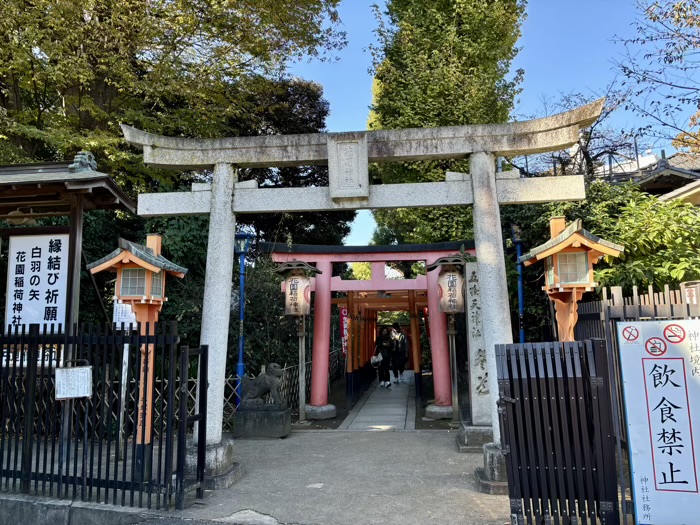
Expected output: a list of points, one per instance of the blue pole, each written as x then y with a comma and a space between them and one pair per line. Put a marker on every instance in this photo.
240, 369
521, 299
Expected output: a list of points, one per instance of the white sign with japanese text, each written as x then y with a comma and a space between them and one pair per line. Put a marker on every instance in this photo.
660, 363
37, 280
73, 382
297, 294
124, 313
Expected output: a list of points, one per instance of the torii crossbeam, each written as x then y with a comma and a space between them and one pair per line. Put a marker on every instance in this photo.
347, 156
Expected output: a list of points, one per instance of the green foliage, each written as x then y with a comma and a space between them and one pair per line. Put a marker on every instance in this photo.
441, 63
270, 336
361, 271
71, 72
389, 318
661, 240
662, 244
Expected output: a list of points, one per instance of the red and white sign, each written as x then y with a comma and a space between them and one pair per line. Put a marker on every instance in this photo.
661, 381
655, 346
674, 334
630, 334
344, 322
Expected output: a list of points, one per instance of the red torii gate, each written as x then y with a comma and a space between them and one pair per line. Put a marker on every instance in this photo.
413, 294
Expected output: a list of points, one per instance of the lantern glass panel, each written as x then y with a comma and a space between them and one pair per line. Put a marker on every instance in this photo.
133, 281
573, 268
549, 271
157, 284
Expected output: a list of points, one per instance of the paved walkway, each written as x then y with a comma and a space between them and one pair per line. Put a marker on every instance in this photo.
392, 408
357, 475
337, 477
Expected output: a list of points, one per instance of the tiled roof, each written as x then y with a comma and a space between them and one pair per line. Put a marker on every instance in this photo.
142, 252
574, 227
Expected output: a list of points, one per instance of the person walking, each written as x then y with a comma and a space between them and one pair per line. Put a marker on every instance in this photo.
400, 353
384, 346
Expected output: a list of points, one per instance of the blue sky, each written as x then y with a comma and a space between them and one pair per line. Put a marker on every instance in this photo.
566, 45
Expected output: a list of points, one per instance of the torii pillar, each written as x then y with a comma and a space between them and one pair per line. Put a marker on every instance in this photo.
347, 156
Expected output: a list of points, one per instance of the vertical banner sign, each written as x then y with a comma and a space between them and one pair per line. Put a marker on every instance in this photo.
450, 291
660, 363
297, 295
344, 329
37, 280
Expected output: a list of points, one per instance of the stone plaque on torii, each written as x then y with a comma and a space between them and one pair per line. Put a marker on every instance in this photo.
347, 156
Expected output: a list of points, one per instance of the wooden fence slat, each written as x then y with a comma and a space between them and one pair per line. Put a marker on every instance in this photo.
520, 439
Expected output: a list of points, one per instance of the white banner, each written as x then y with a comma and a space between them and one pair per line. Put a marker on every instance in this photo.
37, 280
344, 329
660, 363
297, 293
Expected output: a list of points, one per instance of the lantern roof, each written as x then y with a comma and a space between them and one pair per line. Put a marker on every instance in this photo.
140, 255
574, 236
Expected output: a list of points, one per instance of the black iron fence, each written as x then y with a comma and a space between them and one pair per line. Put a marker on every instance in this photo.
106, 428
557, 436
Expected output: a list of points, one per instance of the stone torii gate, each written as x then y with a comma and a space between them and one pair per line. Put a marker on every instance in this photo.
347, 156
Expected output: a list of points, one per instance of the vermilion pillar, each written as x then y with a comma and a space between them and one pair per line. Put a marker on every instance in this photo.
322, 335
438, 344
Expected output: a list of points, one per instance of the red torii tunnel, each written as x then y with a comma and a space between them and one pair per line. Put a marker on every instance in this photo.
365, 298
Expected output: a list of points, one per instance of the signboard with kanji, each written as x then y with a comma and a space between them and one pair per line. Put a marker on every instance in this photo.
37, 280
451, 291
297, 300
660, 363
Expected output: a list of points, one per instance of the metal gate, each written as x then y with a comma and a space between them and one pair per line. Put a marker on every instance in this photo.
557, 435
117, 444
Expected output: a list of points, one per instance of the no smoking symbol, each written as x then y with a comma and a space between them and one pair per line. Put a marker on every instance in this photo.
656, 346
630, 333
674, 333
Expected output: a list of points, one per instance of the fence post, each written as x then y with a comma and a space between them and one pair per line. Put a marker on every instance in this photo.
29, 398
182, 431
202, 428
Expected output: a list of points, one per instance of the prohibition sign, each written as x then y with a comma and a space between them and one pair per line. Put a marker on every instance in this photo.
655, 346
674, 333
630, 333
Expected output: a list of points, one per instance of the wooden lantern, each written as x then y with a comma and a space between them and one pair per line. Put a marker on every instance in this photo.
569, 257
141, 275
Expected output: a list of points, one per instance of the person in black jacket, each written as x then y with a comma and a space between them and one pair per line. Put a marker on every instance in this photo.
400, 353
385, 346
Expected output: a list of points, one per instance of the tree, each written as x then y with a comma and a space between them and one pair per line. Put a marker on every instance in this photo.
440, 63
661, 64
71, 71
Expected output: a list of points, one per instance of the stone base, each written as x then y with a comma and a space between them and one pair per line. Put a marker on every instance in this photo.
473, 439
485, 486
320, 412
492, 478
220, 470
251, 423
438, 412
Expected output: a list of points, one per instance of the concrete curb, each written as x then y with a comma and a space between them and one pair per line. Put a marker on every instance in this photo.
19, 508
